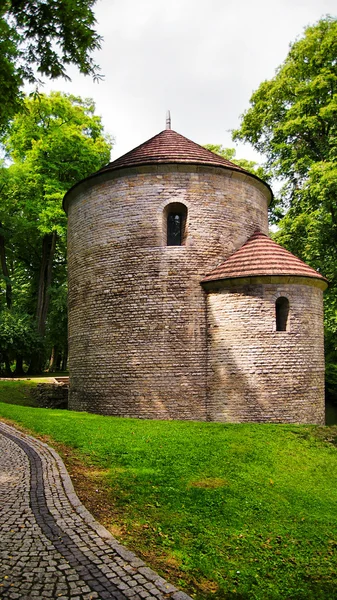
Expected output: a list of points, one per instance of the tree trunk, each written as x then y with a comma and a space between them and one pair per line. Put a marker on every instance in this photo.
35, 365
43, 294
5, 270
52, 359
8, 370
48, 251
64, 360
19, 367
58, 362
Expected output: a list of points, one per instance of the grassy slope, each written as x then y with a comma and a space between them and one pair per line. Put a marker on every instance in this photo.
18, 392
235, 511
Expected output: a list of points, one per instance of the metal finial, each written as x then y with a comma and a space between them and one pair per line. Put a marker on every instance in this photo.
168, 120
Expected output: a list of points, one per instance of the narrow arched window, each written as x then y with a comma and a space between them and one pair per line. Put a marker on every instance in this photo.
175, 216
282, 313
174, 222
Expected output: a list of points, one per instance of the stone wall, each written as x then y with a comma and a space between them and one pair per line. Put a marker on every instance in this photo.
256, 373
137, 312
50, 395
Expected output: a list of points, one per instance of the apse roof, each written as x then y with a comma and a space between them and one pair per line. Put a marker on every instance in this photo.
261, 256
168, 146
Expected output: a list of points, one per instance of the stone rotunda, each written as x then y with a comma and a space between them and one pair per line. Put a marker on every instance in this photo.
180, 305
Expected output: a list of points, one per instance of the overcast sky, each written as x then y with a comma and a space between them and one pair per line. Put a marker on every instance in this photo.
199, 58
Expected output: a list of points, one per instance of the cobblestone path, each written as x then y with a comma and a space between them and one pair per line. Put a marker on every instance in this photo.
50, 545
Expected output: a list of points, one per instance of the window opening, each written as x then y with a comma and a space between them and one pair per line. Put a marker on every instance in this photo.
174, 229
175, 215
282, 313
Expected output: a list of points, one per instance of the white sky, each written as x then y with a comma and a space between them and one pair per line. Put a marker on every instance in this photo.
200, 59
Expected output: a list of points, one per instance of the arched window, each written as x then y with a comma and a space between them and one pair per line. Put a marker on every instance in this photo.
175, 217
282, 313
174, 223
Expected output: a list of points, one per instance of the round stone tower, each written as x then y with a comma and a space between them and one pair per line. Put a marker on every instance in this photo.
150, 333
142, 233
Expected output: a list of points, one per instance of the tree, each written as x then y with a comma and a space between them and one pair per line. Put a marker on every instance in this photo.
292, 119
293, 122
18, 339
41, 38
248, 165
56, 141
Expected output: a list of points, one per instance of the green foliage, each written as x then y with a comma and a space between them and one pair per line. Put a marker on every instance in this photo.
42, 38
18, 334
292, 119
331, 382
293, 122
248, 165
18, 392
11, 78
57, 325
55, 142
59, 139
240, 511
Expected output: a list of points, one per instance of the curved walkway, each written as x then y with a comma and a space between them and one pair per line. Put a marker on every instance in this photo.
50, 545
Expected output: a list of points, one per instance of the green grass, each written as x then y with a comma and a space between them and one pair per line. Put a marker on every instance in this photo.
18, 392
238, 511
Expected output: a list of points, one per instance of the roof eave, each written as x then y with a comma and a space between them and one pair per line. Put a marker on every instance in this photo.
103, 172
213, 285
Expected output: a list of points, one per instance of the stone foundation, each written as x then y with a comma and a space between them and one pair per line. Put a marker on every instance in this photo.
49, 395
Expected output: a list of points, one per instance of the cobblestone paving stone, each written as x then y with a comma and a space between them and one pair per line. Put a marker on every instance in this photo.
50, 545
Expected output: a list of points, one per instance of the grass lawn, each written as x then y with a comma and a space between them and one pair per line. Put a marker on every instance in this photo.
18, 391
222, 510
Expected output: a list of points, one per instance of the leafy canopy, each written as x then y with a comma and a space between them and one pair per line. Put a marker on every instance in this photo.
56, 141
42, 38
293, 117
248, 165
53, 143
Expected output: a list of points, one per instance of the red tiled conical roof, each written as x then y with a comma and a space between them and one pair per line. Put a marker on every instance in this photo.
261, 256
168, 146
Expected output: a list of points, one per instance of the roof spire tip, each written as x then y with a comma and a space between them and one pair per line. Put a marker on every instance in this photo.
168, 120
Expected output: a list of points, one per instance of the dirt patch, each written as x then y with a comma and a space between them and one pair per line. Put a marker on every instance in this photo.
209, 483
